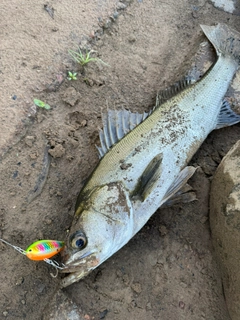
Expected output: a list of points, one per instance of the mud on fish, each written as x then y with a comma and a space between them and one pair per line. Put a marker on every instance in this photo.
144, 157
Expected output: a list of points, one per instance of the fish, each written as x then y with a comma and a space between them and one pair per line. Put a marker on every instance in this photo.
144, 159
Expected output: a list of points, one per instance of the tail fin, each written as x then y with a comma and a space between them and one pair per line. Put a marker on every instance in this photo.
225, 40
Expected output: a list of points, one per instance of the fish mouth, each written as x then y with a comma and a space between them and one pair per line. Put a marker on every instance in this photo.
71, 265
78, 268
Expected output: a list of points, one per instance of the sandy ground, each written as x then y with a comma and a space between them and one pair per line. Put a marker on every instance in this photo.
168, 270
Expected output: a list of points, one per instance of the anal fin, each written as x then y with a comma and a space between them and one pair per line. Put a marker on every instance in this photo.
227, 117
178, 185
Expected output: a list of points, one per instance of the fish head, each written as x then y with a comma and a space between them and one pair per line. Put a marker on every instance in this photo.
102, 225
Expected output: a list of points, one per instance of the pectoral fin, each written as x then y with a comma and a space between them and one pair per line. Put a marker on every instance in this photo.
179, 183
149, 178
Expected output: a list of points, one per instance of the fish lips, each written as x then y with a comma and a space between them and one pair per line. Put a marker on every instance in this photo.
78, 268
82, 264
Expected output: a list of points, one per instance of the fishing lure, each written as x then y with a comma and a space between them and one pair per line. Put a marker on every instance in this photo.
41, 250
44, 249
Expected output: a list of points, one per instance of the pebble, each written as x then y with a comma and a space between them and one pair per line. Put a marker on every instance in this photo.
119, 273
70, 157
5, 313
103, 314
19, 281
121, 6
163, 230
107, 24
33, 156
152, 260
161, 260
15, 174
40, 287
171, 258
57, 152
70, 96
29, 140
148, 306
84, 123
136, 287
131, 38
74, 143
183, 284
115, 15
48, 221
126, 279
181, 304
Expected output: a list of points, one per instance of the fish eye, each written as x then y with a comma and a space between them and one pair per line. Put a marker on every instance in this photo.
78, 240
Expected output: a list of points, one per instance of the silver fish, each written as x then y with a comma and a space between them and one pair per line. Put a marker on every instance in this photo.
144, 159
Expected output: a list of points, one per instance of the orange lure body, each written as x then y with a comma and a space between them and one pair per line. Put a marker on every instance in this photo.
44, 249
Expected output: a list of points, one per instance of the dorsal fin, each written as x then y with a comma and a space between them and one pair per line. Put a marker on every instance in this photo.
173, 90
116, 124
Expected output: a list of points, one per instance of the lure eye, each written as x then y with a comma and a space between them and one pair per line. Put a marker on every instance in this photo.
78, 240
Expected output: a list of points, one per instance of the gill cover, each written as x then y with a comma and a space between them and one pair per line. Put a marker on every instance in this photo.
102, 228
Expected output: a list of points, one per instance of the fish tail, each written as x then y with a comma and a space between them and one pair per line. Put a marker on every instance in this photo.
225, 40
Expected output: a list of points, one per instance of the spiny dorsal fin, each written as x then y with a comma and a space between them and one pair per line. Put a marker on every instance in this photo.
173, 90
116, 124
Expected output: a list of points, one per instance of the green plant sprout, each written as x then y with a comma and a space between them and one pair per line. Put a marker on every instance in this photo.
84, 58
41, 104
72, 75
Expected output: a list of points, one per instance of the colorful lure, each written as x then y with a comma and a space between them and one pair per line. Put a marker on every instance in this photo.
44, 249
41, 250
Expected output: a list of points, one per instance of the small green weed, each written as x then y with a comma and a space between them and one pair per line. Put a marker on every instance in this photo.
41, 104
72, 75
84, 58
